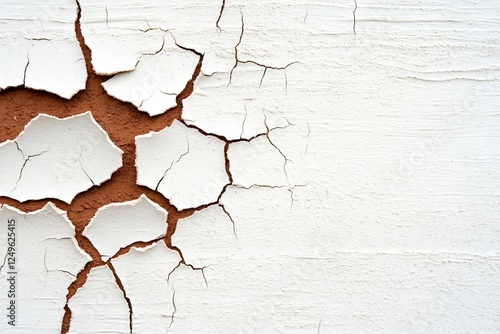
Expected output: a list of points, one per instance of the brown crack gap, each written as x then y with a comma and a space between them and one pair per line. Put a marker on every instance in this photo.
122, 121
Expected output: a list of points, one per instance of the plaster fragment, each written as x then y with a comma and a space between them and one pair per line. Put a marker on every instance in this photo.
157, 79
118, 225
99, 305
57, 158
47, 259
144, 274
234, 104
215, 235
256, 162
39, 49
184, 165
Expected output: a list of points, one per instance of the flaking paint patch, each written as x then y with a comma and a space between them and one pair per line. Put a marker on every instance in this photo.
157, 80
118, 225
57, 158
39, 49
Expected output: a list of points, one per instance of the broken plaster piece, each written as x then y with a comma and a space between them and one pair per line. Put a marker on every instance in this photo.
235, 104
187, 167
99, 306
256, 162
119, 37
39, 49
45, 260
118, 225
215, 234
157, 79
57, 158
144, 274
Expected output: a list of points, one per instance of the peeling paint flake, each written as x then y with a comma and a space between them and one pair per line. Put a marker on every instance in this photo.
181, 163
60, 158
38, 47
157, 79
118, 225
45, 261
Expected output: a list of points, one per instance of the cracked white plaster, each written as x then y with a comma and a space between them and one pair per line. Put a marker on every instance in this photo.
119, 37
157, 79
38, 47
256, 162
47, 260
215, 233
57, 158
118, 225
144, 274
99, 306
181, 163
235, 104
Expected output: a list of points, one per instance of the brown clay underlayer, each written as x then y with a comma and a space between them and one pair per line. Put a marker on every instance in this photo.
122, 121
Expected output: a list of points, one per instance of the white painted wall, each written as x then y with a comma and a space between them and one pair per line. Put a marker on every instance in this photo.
386, 215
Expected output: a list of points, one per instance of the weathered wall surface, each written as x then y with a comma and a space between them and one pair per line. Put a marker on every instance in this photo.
286, 166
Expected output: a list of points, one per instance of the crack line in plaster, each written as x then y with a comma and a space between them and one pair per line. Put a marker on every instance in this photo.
107, 15
120, 285
25, 162
354, 16
220, 16
230, 218
26, 68
308, 134
236, 48
174, 311
172, 165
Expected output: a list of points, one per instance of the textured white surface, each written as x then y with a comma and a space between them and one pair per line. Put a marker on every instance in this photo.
47, 260
99, 305
38, 47
118, 225
157, 79
185, 166
393, 173
144, 273
57, 158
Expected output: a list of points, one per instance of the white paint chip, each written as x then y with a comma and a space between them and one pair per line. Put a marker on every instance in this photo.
118, 225
187, 167
144, 273
157, 79
99, 306
47, 260
256, 163
57, 158
38, 47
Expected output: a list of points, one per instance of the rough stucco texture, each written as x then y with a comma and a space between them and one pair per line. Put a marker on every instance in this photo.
250, 167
